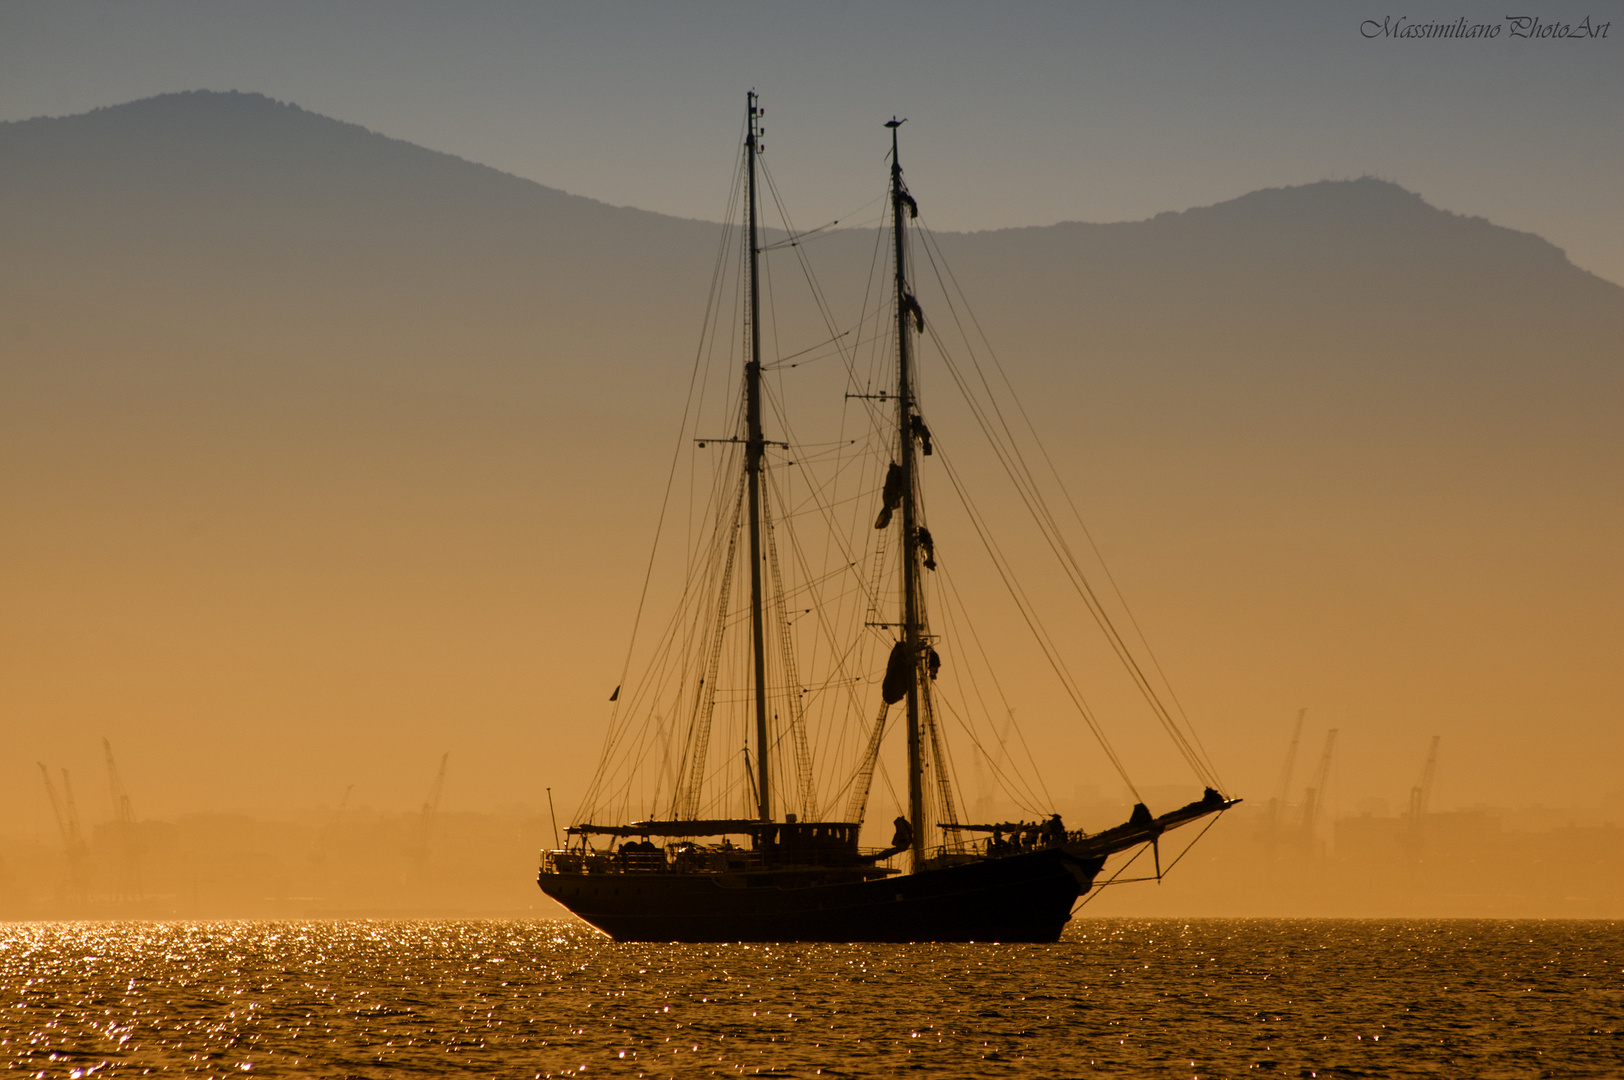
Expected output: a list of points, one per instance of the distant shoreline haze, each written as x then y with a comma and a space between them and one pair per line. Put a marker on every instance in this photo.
324, 454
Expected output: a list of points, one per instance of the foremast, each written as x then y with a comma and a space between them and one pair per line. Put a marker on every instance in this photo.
914, 644
754, 448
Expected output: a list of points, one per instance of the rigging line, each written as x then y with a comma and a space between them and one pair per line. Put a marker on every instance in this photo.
890, 788
809, 586
833, 536
769, 306
1020, 733
817, 293
713, 309
825, 312
829, 448
705, 351
1064, 490
822, 616
1023, 605
845, 659
698, 743
1026, 799
816, 290
813, 491
1187, 847
661, 657
727, 349
707, 561
1051, 655
800, 363
945, 776
1007, 450
955, 599
686, 627
790, 674
670, 476
1009, 456
1000, 561
1047, 523
676, 644
809, 507
863, 321
1006, 782
874, 271
1168, 869
842, 464
784, 359
795, 238
1088, 898
861, 782
1084, 591
630, 706
818, 296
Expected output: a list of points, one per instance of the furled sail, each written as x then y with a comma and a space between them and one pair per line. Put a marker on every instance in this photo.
892, 495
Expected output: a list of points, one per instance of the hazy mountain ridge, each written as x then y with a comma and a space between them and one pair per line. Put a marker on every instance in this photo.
1328, 247
210, 133
1399, 211
206, 205
177, 165
211, 203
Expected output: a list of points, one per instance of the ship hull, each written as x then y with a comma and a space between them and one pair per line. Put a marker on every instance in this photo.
1026, 897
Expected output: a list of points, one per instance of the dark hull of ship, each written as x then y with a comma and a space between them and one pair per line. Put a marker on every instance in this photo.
1026, 897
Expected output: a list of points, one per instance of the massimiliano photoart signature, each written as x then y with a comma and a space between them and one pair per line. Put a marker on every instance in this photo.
1513, 26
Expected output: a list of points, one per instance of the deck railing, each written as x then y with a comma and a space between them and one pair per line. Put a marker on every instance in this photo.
685, 860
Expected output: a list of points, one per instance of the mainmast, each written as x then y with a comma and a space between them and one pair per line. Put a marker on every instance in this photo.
754, 446
903, 207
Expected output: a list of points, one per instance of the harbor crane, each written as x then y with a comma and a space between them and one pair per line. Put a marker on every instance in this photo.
431, 807
66, 812
1277, 805
1421, 795
123, 829
1314, 795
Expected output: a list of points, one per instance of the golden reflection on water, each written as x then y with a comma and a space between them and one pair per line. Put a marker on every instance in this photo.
1115, 998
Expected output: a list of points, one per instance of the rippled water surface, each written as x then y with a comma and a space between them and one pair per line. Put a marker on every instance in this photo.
1204, 998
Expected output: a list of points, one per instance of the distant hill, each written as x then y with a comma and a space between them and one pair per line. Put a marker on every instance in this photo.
232, 208
316, 438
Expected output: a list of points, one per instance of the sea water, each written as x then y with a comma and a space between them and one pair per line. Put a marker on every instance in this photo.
1114, 998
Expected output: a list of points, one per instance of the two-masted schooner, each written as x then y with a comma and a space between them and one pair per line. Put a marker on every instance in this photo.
719, 855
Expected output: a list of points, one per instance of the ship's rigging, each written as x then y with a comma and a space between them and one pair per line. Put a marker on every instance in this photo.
776, 682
